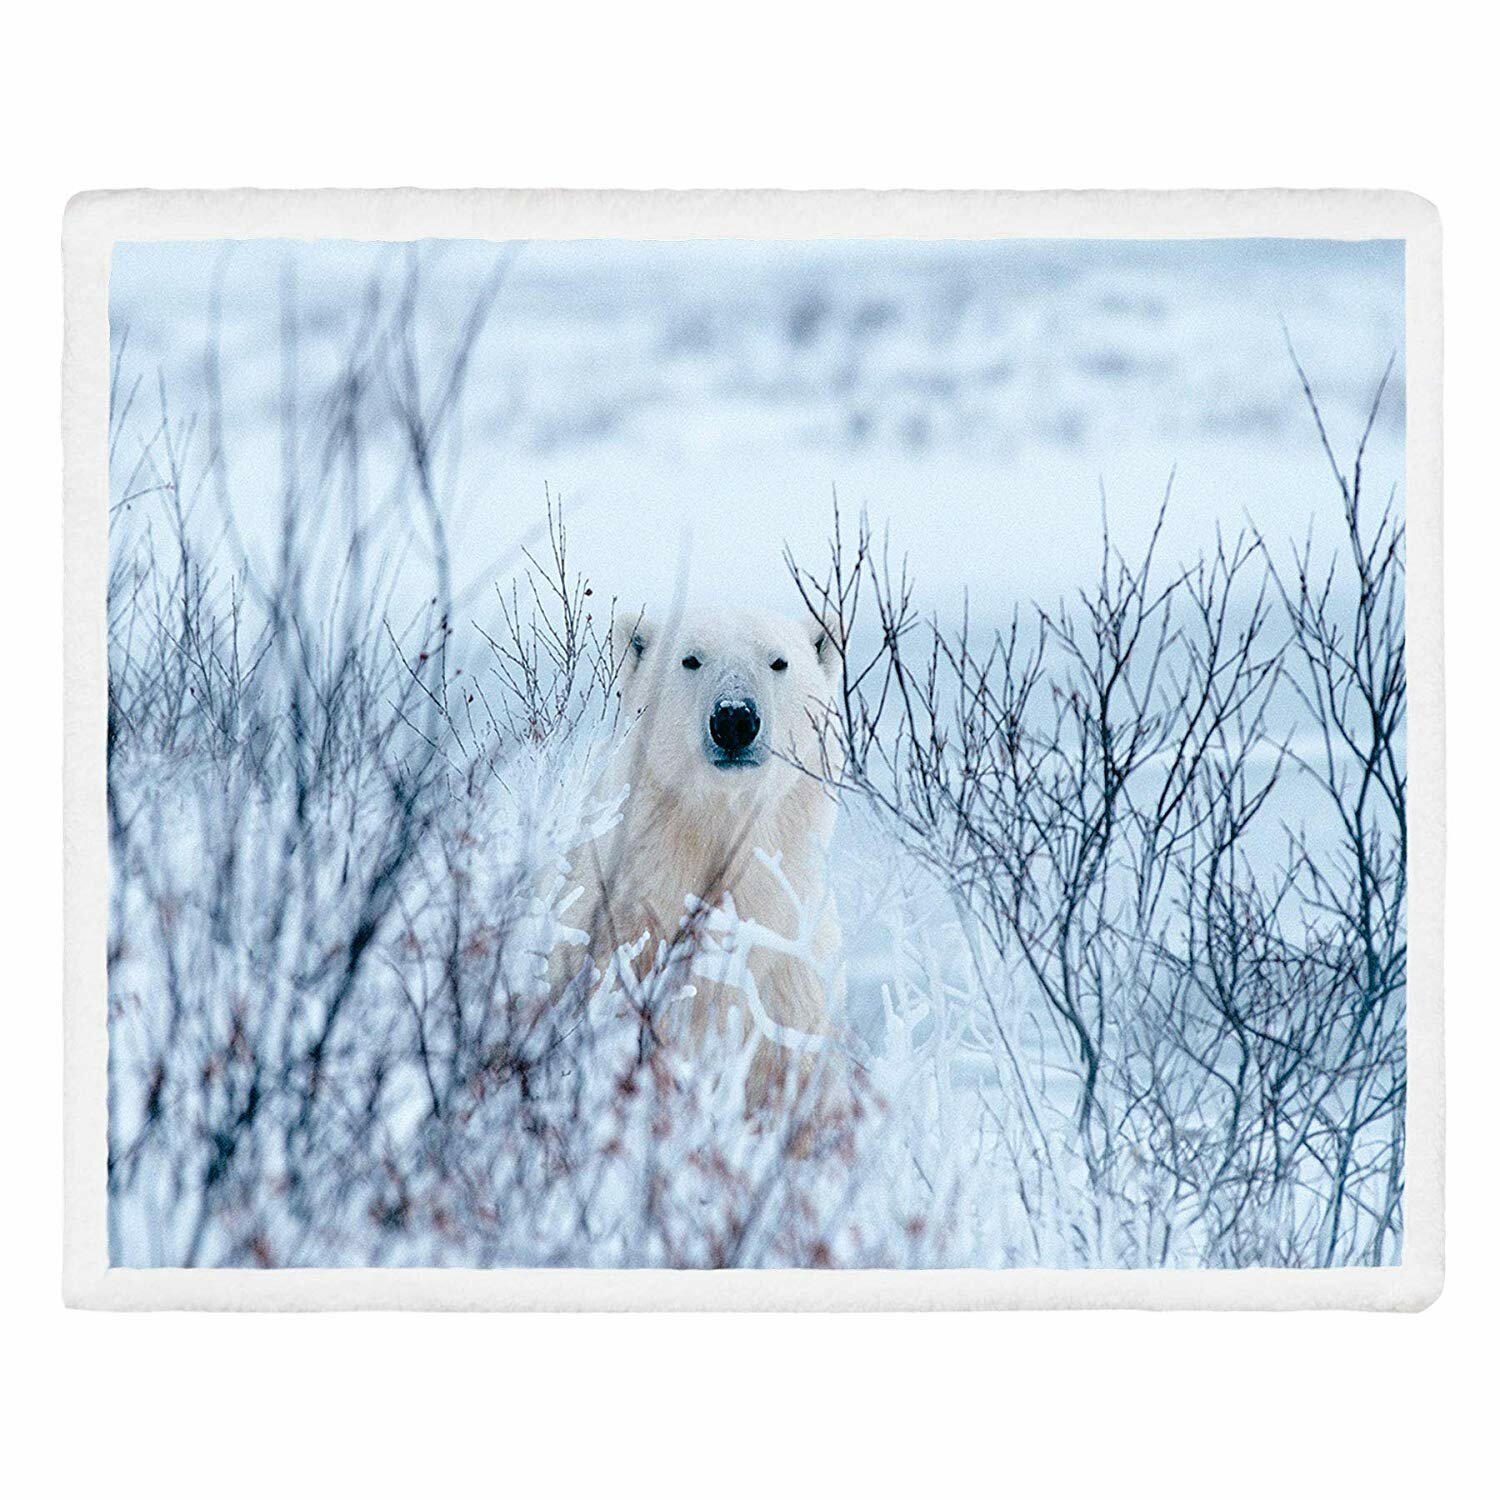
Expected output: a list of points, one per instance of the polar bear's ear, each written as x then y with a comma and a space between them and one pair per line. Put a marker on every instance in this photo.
628, 637
825, 643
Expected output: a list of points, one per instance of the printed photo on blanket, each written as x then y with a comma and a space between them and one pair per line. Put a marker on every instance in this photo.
773, 754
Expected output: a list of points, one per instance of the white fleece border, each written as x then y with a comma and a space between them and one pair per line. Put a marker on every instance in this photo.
93, 224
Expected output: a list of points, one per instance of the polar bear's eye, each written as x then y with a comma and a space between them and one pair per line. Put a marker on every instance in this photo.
779, 665
691, 663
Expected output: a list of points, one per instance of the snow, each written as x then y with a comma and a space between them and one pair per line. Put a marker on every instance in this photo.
710, 396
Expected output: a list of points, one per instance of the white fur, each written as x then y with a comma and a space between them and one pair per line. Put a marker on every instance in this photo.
754, 839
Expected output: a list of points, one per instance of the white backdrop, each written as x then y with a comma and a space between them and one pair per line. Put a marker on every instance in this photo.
171, 95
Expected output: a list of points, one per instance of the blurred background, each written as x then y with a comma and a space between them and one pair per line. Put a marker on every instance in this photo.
694, 404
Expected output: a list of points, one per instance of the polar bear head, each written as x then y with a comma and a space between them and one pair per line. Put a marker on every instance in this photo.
726, 703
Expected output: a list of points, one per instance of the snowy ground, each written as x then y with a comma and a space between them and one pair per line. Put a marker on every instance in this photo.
696, 404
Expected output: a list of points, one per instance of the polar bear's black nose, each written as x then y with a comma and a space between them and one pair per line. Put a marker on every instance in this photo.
734, 723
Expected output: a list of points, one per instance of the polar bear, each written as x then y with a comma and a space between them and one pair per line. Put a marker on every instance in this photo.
726, 772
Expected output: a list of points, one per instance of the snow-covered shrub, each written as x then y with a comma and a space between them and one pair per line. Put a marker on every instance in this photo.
1171, 817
